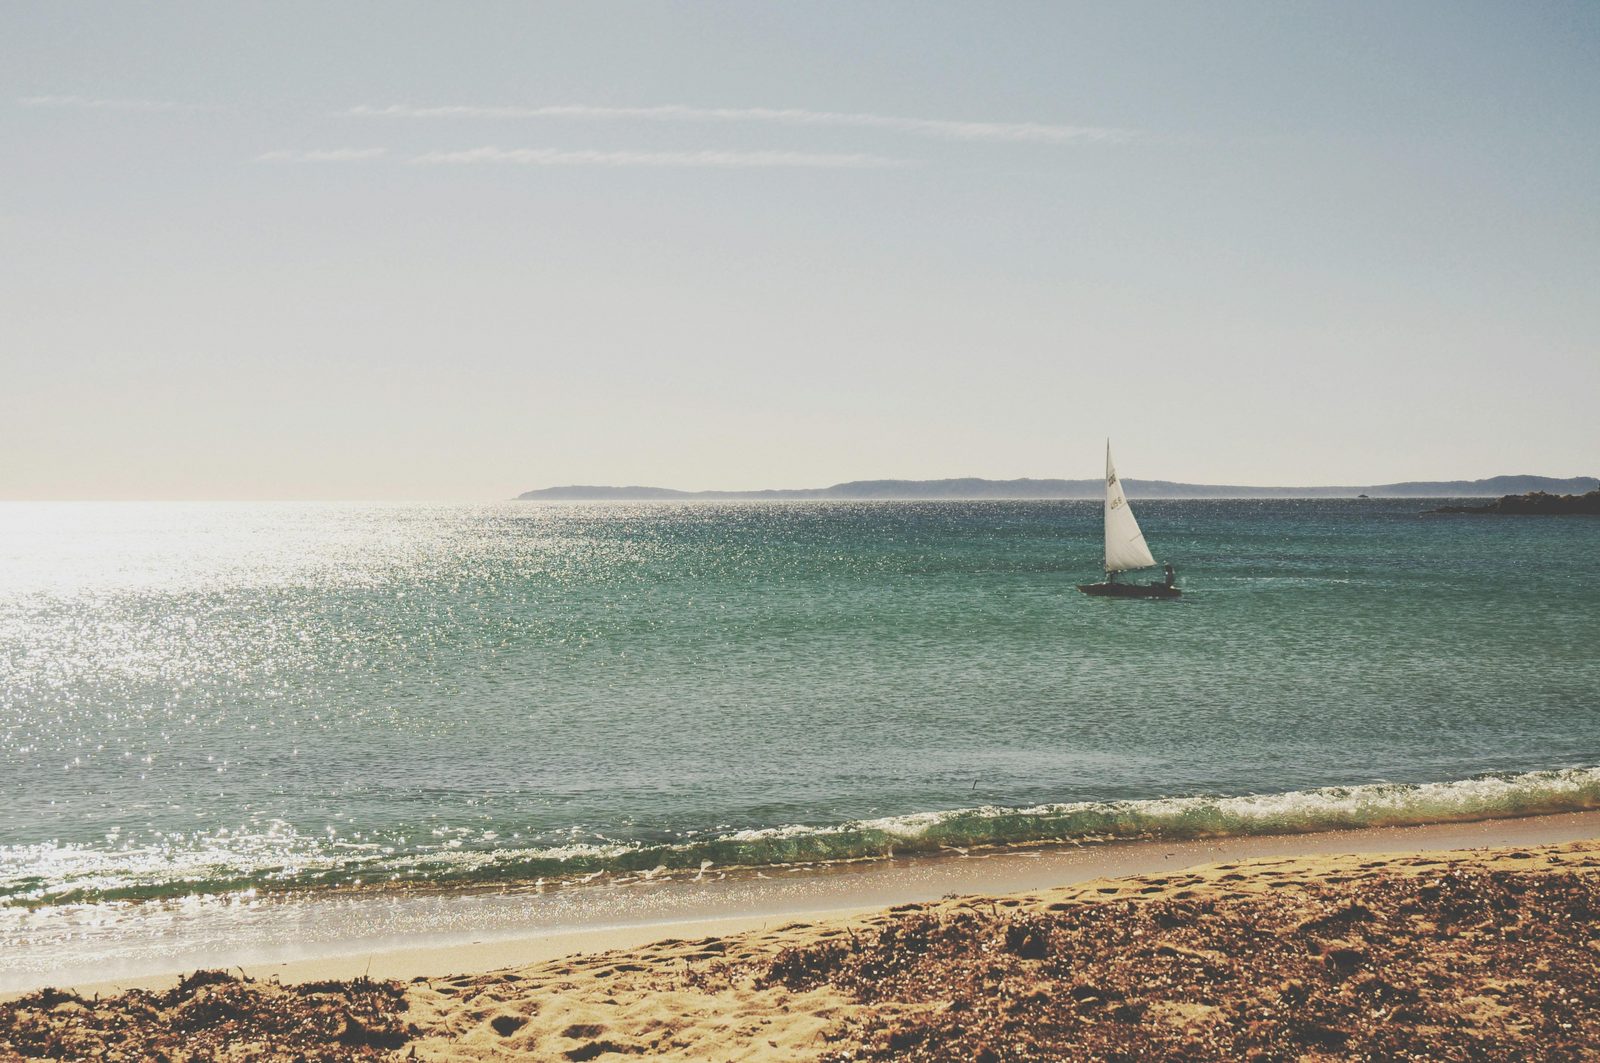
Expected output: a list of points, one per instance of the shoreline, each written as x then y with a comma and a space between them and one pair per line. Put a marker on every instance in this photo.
1372, 953
492, 930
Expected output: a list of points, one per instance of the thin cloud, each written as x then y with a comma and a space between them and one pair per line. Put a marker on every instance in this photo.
323, 155
713, 159
1023, 132
90, 103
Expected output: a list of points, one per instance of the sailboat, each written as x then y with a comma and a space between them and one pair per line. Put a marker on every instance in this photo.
1126, 549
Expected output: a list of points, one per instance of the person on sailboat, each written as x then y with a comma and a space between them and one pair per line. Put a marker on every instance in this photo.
1171, 575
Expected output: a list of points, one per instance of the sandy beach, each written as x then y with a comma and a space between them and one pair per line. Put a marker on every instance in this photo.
1461, 940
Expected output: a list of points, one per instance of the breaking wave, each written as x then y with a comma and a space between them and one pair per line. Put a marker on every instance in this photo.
34, 875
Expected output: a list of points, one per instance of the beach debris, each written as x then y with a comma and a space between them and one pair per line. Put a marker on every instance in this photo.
1470, 963
212, 1014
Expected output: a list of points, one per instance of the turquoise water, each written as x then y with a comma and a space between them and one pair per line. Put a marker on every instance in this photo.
198, 698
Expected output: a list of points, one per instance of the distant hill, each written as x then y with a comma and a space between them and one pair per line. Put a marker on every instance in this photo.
972, 487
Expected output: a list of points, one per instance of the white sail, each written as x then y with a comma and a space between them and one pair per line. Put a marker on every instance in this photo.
1125, 545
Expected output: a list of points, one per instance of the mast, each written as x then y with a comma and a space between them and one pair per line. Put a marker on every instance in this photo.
1125, 545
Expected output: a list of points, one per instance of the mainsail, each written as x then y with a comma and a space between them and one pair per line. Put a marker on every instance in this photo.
1125, 545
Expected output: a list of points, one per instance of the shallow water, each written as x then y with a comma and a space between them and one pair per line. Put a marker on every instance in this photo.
212, 697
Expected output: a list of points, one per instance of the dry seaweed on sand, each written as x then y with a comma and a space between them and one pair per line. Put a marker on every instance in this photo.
211, 1015
1468, 964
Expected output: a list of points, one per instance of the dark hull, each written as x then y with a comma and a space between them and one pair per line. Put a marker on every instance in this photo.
1129, 590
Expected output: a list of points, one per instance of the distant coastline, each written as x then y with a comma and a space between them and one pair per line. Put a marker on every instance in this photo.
976, 488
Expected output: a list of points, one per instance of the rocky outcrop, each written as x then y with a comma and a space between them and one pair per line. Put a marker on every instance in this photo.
1536, 502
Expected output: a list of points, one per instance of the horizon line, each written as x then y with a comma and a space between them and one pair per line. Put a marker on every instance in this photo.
1074, 481
707, 494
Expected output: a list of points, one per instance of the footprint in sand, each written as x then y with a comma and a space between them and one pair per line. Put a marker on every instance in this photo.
595, 1049
506, 1025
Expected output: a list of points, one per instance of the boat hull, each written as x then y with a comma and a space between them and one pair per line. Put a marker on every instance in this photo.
1129, 590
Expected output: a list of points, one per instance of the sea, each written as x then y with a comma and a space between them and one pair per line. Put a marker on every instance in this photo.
206, 702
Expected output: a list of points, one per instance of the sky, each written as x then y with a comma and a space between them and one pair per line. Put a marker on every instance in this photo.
455, 252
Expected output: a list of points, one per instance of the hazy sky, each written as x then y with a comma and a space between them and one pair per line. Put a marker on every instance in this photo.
280, 250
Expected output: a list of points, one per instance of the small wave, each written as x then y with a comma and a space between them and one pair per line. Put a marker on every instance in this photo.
32, 876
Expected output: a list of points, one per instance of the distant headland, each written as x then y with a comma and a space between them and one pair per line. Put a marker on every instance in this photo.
1536, 503
975, 488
